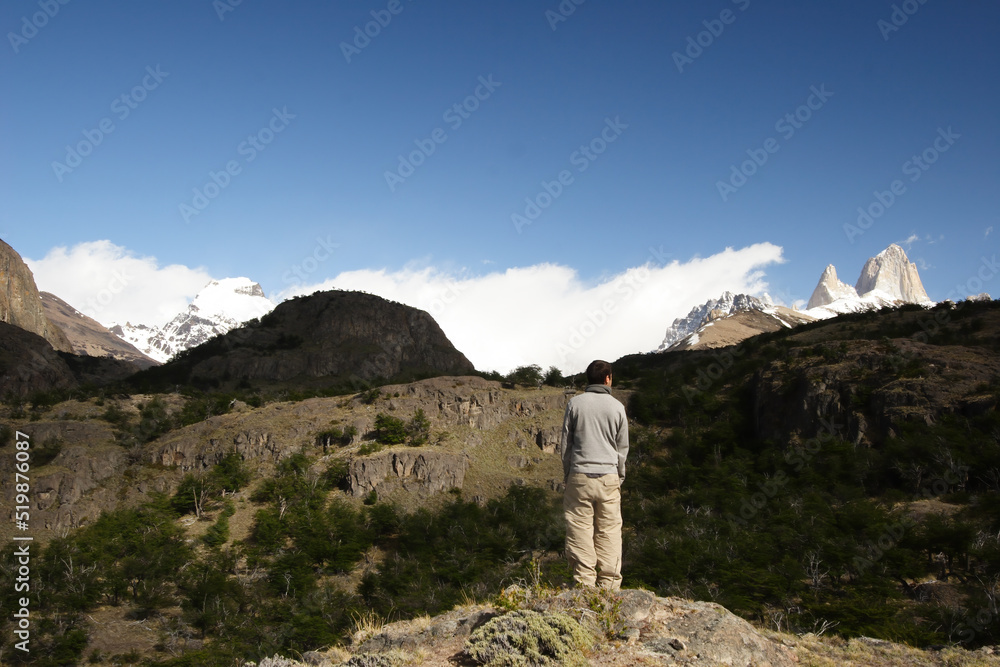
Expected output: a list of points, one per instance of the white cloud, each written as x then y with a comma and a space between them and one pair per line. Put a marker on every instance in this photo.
112, 285
546, 314
989, 230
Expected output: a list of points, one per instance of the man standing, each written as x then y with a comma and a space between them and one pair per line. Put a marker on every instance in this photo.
594, 447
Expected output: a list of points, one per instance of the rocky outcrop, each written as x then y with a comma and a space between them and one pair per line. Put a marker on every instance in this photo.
648, 630
863, 393
70, 487
20, 303
326, 337
418, 470
88, 336
830, 289
203, 445
467, 401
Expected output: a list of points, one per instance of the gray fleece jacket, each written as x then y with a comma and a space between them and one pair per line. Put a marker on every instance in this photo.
595, 433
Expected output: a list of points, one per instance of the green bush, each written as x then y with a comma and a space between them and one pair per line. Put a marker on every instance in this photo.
389, 430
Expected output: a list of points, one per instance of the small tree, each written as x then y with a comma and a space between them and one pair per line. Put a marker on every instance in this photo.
389, 430
419, 428
554, 377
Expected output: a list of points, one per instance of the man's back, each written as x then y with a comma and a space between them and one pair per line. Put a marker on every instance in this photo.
595, 433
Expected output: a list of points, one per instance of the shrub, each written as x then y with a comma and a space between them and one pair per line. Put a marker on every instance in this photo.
389, 430
419, 428
529, 638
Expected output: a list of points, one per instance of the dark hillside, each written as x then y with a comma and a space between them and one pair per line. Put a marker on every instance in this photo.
327, 339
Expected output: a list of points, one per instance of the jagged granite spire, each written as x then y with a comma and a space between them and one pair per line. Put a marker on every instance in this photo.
893, 273
829, 289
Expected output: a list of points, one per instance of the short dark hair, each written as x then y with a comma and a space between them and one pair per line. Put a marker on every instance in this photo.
597, 371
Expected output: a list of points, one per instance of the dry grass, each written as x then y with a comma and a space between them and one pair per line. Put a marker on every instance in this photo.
814, 651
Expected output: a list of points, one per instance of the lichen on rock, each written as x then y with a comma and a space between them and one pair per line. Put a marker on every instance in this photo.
525, 637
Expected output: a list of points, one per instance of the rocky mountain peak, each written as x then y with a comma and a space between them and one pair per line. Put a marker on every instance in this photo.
893, 273
830, 289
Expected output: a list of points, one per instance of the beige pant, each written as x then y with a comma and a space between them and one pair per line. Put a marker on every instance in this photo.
593, 510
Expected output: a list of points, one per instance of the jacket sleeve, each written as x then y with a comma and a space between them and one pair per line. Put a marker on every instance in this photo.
567, 441
621, 444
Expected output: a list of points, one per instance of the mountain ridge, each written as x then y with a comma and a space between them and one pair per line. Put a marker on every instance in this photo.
887, 279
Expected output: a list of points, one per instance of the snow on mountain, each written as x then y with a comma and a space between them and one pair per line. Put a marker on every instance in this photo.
892, 272
830, 289
221, 306
713, 309
887, 279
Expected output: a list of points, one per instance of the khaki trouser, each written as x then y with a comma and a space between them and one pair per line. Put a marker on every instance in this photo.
593, 510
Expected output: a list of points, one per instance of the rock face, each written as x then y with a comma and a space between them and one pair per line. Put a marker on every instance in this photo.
221, 306
88, 336
830, 289
328, 336
892, 272
28, 364
20, 303
422, 471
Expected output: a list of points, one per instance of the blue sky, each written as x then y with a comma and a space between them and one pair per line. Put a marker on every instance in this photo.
208, 86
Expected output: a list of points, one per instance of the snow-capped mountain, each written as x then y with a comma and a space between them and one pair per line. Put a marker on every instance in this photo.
713, 309
887, 279
221, 306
